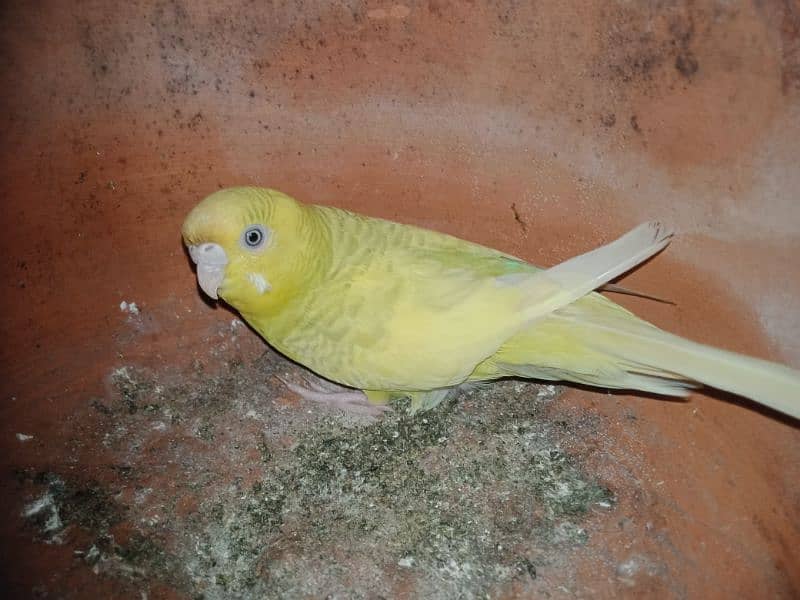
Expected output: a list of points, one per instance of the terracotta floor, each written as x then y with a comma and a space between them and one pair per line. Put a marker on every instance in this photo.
149, 452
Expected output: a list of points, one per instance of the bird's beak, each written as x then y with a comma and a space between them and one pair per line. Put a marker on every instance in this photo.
211, 261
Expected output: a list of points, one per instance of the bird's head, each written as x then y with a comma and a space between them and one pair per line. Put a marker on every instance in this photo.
247, 243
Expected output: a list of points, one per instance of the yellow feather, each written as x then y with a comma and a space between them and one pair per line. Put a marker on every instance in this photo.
393, 309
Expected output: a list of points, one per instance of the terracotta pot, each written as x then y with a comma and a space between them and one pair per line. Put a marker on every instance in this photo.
542, 130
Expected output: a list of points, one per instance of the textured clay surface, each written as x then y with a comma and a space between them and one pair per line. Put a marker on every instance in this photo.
148, 451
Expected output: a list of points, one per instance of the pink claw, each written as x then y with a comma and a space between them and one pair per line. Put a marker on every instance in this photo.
345, 399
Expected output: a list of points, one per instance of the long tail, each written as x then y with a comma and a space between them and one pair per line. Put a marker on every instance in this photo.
579, 336
597, 342
661, 354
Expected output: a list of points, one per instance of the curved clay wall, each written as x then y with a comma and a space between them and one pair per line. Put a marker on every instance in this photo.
542, 129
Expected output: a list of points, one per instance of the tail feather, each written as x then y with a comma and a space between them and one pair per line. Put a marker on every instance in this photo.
597, 342
617, 377
648, 351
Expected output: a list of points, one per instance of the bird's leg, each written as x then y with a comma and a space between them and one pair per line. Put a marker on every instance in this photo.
343, 398
318, 384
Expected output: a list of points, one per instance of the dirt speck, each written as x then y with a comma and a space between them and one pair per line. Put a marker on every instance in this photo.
518, 218
686, 64
608, 120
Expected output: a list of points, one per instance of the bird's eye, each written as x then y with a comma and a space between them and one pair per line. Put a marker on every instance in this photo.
254, 236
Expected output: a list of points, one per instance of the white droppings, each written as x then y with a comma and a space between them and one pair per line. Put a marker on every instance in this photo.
129, 307
45, 505
122, 373
141, 495
406, 562
24, 437
93, 554
547, 392
37, 506
628, 570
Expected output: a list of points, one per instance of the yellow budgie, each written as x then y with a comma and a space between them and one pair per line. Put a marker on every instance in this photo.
393, 310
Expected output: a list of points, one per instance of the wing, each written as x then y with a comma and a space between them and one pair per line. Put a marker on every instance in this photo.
564, 283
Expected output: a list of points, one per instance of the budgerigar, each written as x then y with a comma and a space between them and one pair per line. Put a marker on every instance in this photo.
394, 310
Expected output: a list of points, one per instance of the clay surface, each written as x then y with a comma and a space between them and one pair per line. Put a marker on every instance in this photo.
148, 451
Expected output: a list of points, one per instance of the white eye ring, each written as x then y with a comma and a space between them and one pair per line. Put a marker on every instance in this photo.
254, 237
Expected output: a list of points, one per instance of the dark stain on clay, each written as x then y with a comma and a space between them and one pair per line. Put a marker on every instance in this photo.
634, 53
520, 221
790, 46
608, 120
686, 64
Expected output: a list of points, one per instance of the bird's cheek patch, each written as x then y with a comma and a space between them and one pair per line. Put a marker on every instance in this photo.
259, 282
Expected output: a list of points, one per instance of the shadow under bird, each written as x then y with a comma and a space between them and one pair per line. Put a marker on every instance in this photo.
391, 310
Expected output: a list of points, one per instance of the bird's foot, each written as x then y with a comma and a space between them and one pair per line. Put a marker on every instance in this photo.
344, 398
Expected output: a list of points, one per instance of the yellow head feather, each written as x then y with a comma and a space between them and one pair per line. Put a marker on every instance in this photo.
262, 276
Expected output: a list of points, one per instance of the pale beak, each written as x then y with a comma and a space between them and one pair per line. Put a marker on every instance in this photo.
211, 261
